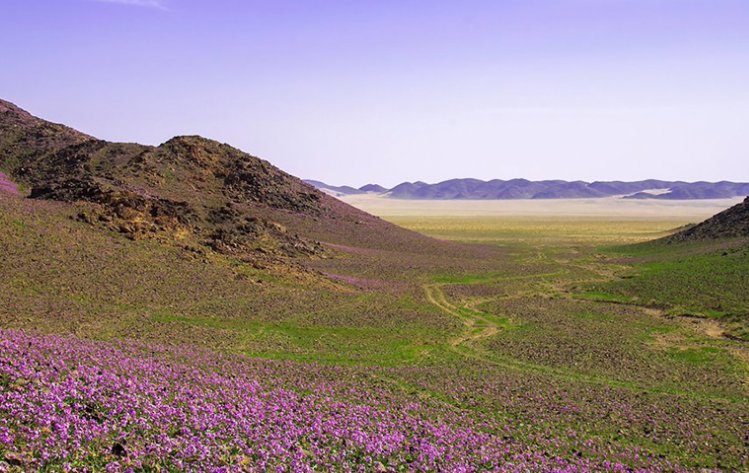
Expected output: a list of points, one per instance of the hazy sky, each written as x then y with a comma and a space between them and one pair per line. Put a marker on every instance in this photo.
359, 91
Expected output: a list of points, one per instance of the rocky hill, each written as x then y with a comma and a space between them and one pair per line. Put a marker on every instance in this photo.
190, 190
731, 223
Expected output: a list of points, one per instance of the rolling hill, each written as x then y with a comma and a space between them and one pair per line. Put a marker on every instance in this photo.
700, 271
190, 190
731, 223
498, 189
333, 190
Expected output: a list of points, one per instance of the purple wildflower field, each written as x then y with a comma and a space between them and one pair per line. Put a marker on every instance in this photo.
126, 407
191, 308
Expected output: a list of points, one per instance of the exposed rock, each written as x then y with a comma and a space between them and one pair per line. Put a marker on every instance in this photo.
118, 450
191, 190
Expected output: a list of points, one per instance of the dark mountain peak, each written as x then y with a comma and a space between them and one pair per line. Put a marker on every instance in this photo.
460, 180
373, 188
185, 162
408, 185
202, 153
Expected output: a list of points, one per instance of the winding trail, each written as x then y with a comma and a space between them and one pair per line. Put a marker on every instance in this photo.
477, 327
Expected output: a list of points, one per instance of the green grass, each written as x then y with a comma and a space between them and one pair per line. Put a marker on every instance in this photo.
328, 344
604, 297
101, 285
694, 279
567, 313
697, 356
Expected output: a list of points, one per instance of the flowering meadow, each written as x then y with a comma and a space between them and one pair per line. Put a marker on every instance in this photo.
74, 405
142, 356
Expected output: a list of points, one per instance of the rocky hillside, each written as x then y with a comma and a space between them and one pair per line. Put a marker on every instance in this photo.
731, 223
24, 139
191, 190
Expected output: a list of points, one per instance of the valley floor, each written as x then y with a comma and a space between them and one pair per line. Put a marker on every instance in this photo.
547, 346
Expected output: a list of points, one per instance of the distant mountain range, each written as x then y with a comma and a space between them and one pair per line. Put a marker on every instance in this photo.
498, 189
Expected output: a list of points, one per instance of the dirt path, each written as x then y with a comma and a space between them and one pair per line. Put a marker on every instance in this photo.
477, 327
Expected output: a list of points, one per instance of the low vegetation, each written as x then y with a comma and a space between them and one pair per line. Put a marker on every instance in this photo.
518, 345
522, 349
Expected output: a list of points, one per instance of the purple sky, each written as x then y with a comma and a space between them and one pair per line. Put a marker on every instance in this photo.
360, 91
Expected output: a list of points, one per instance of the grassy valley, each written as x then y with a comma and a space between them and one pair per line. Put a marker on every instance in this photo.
189, 307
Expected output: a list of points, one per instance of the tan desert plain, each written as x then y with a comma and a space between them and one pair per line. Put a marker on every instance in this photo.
608, 220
